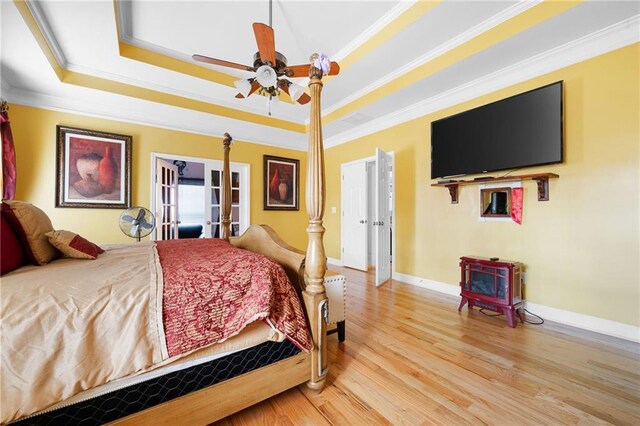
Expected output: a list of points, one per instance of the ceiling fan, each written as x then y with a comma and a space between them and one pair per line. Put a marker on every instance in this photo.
270, 67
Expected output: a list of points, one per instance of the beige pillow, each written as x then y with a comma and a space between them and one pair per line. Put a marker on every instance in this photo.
73, 245
33, 223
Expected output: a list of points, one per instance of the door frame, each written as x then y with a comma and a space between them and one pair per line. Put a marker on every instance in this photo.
244, 197
393, 206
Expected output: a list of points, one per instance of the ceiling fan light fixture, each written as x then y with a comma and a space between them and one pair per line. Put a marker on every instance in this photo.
295, 91
243, 86
266, 76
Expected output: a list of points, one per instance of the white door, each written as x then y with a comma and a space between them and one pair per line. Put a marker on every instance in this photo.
213, 199
382, 223
166, 207
354, 215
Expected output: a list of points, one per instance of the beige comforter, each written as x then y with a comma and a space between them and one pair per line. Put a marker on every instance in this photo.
59, 323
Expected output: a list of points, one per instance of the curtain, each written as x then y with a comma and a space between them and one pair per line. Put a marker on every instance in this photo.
516, 205
8, 156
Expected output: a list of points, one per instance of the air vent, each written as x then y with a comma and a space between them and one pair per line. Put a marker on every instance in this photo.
356, 118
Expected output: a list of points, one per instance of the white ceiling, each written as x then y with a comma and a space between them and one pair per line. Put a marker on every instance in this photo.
399, 59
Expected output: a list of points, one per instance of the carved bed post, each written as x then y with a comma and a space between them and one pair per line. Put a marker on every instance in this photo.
316, 261
226, 189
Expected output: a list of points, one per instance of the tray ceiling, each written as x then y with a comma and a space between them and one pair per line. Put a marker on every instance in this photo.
132, 60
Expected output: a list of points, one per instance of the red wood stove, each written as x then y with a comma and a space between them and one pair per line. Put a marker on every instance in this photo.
493, 284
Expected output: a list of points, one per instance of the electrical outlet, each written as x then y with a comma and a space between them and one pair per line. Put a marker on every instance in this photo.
333, 210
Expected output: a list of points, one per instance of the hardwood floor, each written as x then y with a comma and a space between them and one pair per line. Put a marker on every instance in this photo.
411, 358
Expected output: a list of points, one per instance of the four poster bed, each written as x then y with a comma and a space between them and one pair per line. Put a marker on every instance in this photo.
287, 348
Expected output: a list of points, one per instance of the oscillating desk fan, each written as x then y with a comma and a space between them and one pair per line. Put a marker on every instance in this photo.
137, 222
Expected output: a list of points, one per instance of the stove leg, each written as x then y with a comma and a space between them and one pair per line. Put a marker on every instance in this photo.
509, 313
463, 302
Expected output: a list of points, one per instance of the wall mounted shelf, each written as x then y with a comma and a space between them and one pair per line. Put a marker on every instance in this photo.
542, 179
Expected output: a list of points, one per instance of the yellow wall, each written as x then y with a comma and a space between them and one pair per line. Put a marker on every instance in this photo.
34, 133
581, 248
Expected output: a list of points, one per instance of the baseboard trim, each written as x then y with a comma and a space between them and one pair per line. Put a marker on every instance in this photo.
586, 322
334, 261
574, 319
440, 287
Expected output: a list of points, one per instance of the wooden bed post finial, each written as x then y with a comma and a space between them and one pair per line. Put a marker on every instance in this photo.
226, 189
316, 261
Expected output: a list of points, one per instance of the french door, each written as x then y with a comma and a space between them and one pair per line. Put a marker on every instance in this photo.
164, 195
166, 206
213, 198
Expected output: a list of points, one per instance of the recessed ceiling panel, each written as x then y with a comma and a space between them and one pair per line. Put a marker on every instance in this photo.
222, 29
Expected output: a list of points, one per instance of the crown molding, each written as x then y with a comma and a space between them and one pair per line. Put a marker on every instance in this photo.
595, 44
123, 14
374, 29
45, 28
440, 50
5, 88
180, 119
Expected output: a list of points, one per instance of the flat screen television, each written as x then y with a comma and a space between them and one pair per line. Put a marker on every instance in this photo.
521, 131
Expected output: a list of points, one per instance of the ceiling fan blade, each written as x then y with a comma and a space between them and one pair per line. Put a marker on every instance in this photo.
266, 42
254, 86
297, 71
222, 63
304, 99
334, 69
303, 70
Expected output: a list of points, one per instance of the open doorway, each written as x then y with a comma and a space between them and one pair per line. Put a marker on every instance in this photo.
191, 199
367, 235
193, 208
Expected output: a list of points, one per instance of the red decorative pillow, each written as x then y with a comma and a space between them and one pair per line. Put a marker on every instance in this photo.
30, 224
73, 245
12, 255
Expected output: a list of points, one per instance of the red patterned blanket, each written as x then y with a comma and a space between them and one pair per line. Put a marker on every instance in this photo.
212, 290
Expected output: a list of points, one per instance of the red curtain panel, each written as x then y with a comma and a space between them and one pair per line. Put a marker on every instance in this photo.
516, 205
8, 158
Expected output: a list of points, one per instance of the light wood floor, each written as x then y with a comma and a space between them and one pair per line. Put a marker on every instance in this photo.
411, 358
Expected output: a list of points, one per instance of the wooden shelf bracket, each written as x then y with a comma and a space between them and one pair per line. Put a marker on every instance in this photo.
543, 188
453, 191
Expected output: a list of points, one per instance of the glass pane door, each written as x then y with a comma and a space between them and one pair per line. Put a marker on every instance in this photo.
239, 199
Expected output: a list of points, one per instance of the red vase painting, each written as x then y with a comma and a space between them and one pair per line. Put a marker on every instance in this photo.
275, 182
107, 171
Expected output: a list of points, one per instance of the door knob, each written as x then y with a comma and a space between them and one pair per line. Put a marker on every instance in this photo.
362, 221
208, 222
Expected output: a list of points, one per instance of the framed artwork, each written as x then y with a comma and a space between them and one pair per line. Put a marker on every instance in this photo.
93, 169
281, 183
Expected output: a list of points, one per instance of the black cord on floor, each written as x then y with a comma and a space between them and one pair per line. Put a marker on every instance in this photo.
537, 316
497, 314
